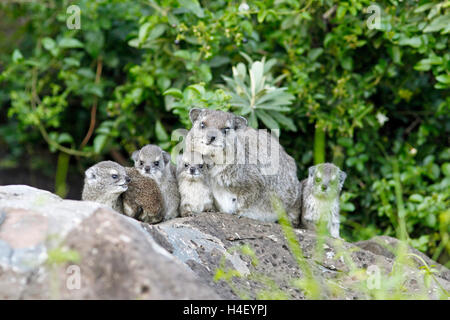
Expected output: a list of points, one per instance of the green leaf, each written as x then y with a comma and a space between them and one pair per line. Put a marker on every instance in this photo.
340, 13
65, 138
95, 89
274, 107
143, 31
50, 45
95, 41
174, 93
315, 53
156, 32
70, 43
256, 77
163, 83
268, 121
17, 56
347, 207
205, 72
414, 42
199, 89
416, 198
253, 121
261, 15
438, 23
283, 120
424, 7
193, 6
446, 169
100, 142
161, 133
347, 63
71, 62
444, 78
183, 54
396, 54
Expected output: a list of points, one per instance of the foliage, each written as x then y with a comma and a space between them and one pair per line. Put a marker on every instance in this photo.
358, 93
369, 282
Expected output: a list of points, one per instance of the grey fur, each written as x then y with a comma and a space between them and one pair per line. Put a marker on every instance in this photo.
153, 162
193, 184
242, 180
101, 184
320, 200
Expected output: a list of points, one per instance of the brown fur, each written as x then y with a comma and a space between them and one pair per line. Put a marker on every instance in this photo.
143, 199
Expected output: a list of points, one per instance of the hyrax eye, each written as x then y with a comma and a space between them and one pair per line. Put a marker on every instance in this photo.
201, 166
156, 163
318, 179
186, 165
141, 163
202, 125
114, 176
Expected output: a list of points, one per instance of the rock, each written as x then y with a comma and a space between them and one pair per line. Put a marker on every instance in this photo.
118, 258
54, 248
387, 246
203, 241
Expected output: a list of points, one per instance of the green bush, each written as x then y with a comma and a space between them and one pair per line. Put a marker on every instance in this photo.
369, 97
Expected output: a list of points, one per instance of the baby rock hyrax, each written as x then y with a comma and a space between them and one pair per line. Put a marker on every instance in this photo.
104, 183
250, 166
151, 161
321, 197
143, 200
193, 184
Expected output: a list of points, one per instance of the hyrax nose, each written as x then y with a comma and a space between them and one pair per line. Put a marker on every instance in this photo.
147, 169
211, 139
192, 170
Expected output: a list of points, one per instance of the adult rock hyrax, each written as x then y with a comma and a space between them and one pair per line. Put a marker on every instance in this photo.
320, 201
151, 161
104, 183
193, 184
143, 200
250, 166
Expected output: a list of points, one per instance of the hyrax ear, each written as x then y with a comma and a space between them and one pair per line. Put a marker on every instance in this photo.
240, 122
342, 177
90, 175
194, 113
135, 156
312, 171
166, 157
208, 161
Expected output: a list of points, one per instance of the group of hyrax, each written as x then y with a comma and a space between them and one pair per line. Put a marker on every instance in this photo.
226, 166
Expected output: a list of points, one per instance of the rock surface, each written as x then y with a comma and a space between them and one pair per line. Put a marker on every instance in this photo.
54, 248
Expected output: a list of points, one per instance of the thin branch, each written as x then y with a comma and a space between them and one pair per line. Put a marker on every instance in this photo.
412, 126
119, 158
35, 98
94, 105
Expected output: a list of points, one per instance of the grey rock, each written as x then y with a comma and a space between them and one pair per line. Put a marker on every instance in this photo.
386, 246
118, 258
46, 241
